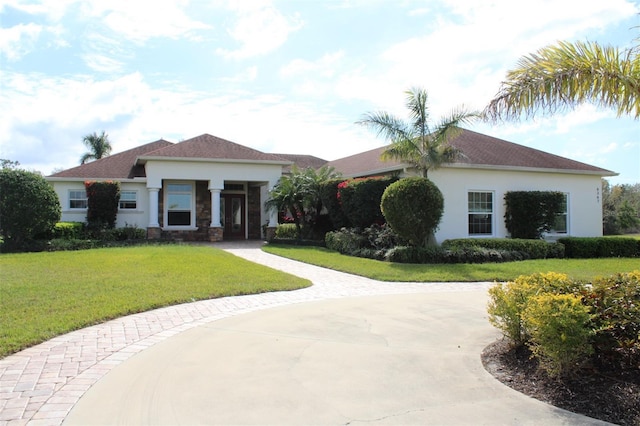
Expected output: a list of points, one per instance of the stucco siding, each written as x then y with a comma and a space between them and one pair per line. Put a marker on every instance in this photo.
583, 191
215, 173
126, 217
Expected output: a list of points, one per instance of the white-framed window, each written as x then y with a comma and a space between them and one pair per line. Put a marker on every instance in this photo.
128, 200
480, 212
179, 201
561, 222
77, 199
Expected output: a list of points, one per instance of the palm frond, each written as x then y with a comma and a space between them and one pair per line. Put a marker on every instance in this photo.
564, 76
385, 125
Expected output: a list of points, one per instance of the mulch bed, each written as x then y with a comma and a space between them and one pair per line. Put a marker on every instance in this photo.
613, 397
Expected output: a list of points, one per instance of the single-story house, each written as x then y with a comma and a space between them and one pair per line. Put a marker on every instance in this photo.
210, 189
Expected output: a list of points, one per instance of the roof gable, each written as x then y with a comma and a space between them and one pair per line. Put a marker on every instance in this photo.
208, 147
117, 166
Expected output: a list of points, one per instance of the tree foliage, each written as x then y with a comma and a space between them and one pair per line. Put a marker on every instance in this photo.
569, 74
102, 204
529, 214
298, 196
620, 208
360, 200
418, 141
413, 207
99, 146
28, 206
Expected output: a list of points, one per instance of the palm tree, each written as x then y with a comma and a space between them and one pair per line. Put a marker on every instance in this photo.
417, 142
568, 74
299, 194
99, 146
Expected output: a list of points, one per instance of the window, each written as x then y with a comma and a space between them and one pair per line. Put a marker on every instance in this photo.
480, 207
179, 202
78, 199
128, 200
561, 221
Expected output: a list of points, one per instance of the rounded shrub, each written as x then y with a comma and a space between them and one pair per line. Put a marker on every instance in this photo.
28, 206
413, 207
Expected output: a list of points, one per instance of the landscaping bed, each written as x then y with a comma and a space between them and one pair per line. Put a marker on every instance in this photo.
612, 396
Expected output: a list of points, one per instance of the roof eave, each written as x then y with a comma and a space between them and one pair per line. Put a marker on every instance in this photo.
530, 169
143, 159
83, 179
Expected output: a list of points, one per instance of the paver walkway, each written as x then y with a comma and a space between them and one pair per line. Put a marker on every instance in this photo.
40, 385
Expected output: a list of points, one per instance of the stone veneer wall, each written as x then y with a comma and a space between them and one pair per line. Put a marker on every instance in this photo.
253, 209
203, 218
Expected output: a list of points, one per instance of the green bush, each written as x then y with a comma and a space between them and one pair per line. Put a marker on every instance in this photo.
286, 231
508, 301
596, 247
346, 241
615, 305
102, 204
128, 233
413, 207
331, 202
560, 335
360, 199
530, 249
528, 214
28, 206
68, 230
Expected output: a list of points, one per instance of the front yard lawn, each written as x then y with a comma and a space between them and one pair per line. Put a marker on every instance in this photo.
579, 269
43, 295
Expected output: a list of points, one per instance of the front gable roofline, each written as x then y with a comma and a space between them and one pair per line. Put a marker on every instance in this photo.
209, 148
144, 159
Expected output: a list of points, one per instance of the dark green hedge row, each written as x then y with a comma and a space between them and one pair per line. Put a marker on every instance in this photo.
531, 249
589, 248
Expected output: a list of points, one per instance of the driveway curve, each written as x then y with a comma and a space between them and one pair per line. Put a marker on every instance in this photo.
347, 350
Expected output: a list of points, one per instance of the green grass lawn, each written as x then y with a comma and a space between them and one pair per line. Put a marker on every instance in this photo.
43, 295
579, 269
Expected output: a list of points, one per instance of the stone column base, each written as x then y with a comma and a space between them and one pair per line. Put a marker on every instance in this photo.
215, 234
270, 233
154, 233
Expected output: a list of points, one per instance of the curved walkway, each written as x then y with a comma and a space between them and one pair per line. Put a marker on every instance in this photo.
42, 384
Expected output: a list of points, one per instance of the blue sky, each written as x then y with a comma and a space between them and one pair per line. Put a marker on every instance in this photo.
286, 76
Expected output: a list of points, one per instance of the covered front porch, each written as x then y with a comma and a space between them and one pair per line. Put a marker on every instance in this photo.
197, 211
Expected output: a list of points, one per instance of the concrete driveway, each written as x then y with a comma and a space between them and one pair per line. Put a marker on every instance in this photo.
391, 359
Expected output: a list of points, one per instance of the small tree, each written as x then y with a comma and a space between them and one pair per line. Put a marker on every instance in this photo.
102, 204
28, 206
413, 208
331, 202
529, 214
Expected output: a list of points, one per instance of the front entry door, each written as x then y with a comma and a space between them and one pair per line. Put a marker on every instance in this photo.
232, 216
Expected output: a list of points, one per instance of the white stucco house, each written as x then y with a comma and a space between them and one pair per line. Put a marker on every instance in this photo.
210, 189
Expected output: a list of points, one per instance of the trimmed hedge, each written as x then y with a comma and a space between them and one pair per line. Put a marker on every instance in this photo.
596, 247
360, 199
530, 249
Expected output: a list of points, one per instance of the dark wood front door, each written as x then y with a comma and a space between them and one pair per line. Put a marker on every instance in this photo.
232, 216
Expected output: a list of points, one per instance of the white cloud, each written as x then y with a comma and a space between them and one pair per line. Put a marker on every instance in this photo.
580, 116
259, 28
17, 41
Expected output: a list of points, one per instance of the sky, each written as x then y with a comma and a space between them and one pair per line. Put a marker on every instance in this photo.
288, 76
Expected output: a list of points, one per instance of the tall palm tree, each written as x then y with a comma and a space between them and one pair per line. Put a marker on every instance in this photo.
99, 146
568, 74
418, 142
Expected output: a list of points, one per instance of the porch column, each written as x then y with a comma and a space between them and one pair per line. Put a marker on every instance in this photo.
153, 207
272, 215
215, 208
